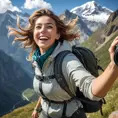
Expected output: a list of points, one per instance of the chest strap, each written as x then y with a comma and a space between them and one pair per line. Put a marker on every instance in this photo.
44, 78
58, 102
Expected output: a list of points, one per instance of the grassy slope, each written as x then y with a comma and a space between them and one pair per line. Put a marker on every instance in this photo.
111, 97
22, 112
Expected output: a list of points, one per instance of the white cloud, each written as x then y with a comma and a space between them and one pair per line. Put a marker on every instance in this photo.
30, 4
7, 5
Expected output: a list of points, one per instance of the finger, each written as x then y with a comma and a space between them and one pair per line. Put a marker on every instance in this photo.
116, 38
114, 43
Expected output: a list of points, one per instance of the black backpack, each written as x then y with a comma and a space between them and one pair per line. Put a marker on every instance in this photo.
90, 62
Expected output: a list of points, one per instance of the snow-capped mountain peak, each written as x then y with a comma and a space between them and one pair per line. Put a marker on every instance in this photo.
90, 8
93, 14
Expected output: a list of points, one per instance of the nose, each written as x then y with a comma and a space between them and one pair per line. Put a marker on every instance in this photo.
43, 29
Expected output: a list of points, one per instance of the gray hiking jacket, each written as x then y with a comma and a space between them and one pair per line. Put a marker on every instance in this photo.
75, 75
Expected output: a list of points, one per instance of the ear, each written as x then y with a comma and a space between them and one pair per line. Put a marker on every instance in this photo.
58, 36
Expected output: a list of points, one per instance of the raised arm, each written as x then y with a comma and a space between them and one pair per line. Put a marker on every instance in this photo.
102, 84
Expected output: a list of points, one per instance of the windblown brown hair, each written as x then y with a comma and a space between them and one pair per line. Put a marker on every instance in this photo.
25, 35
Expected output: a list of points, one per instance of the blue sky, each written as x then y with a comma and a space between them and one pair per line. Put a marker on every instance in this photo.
58, 6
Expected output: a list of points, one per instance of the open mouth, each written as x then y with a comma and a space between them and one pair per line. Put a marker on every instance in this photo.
44, 38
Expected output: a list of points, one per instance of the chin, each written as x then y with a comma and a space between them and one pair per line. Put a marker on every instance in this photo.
42, 46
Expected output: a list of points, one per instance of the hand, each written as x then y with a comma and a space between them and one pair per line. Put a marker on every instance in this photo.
112, 47
35, 114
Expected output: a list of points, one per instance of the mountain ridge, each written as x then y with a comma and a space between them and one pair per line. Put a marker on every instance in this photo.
93, 14
13, 80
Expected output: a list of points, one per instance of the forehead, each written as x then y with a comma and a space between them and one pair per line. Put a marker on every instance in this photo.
45, 20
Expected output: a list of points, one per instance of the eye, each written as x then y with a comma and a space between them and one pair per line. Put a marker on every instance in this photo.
38, 27
50, 26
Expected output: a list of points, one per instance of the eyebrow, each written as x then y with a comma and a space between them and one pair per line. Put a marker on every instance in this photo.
45, 23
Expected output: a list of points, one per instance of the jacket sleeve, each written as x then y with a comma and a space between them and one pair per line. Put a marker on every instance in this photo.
77, 76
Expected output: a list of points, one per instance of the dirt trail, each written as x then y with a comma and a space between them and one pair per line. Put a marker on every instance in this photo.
106, 40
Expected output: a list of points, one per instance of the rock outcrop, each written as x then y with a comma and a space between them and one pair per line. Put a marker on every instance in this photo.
114, 114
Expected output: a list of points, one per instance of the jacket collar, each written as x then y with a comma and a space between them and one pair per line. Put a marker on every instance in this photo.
61, 47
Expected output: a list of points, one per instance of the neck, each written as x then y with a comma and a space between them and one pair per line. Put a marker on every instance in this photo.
42, 51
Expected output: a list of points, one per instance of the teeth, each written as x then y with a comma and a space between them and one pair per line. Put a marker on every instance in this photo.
43, 38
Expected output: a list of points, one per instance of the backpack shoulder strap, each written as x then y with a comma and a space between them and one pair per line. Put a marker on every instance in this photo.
58, 71
87, 58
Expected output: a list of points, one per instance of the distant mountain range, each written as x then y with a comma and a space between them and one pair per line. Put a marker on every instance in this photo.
92, 11
101, 36
91, 16
9, 19
13, 81
14, 76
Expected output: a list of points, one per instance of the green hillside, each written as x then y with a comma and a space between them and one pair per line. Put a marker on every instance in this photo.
22, 112
112, 96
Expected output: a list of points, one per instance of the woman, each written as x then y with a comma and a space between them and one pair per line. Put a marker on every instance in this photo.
47, 35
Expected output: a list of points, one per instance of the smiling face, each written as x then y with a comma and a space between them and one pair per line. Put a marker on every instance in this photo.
45, 33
